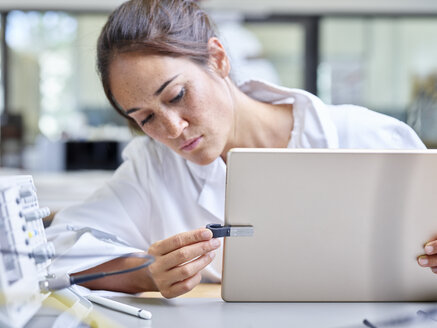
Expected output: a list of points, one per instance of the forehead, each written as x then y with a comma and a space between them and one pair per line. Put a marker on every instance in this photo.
136, 76
132, 68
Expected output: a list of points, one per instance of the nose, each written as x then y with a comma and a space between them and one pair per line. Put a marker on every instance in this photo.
173, 124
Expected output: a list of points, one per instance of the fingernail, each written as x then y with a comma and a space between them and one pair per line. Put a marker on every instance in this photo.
211, 255
215, 242
206, 234
423, 260
429, 249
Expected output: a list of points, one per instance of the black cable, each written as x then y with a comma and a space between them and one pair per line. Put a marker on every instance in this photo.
92, 276
56, 283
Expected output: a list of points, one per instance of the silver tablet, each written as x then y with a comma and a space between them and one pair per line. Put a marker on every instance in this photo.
330, 225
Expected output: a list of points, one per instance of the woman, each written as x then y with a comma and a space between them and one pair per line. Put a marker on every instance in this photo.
163, 67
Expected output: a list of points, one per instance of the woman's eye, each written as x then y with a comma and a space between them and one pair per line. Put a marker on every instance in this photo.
147, 119
178, 97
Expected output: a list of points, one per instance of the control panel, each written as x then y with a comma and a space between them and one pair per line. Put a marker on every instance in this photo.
25, 253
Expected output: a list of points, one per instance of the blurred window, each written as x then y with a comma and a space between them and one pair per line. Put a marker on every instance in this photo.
52, 79
386, 64
283, 46
271, 51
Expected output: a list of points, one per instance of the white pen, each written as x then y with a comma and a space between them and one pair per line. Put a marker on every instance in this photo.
129, 309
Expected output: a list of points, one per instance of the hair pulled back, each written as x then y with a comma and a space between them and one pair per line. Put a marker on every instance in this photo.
177, 28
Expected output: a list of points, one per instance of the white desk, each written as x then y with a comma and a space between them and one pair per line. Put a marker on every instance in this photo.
215, 313
212, 312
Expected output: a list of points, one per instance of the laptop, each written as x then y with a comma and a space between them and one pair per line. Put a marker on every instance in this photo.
330, 225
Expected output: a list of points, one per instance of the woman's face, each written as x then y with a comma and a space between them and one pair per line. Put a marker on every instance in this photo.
175, 102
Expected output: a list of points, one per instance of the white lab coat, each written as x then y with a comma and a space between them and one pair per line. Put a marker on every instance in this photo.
156, 193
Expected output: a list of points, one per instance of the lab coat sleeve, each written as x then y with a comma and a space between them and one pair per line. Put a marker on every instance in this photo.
359, 127
112, 221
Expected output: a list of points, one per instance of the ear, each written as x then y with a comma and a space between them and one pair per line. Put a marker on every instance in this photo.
218, 59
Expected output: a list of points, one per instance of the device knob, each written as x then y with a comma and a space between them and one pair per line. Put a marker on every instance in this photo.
24, 193
37, 214
44, 252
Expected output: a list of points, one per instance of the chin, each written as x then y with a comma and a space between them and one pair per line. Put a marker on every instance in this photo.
202, 160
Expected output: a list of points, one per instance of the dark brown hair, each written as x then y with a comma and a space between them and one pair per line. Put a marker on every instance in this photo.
177, 28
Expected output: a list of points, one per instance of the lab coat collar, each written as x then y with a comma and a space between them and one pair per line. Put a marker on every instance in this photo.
212, 195
266, 92
313, 126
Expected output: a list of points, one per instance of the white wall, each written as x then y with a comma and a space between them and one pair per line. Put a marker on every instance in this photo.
89, 89
25, 95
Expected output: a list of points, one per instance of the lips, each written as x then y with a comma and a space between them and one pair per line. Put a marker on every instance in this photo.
190, 144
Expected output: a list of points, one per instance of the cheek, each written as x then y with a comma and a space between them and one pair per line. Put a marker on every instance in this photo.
151, 132
220, 114
155, 135
208, 105
194, 109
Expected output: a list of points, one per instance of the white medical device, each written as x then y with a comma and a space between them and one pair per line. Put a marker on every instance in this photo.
25, 256
25, 253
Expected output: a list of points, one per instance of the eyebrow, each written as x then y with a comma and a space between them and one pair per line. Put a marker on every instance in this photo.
157, 93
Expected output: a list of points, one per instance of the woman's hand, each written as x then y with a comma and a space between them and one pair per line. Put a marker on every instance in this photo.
179, 260
176, 270
430, 257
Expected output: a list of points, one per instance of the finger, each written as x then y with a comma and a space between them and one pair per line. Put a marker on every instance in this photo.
168, 245
433, 238
427, 260
182, 255
430, 240
165, 279
182, 287
190, 252
190, 269
431, 247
